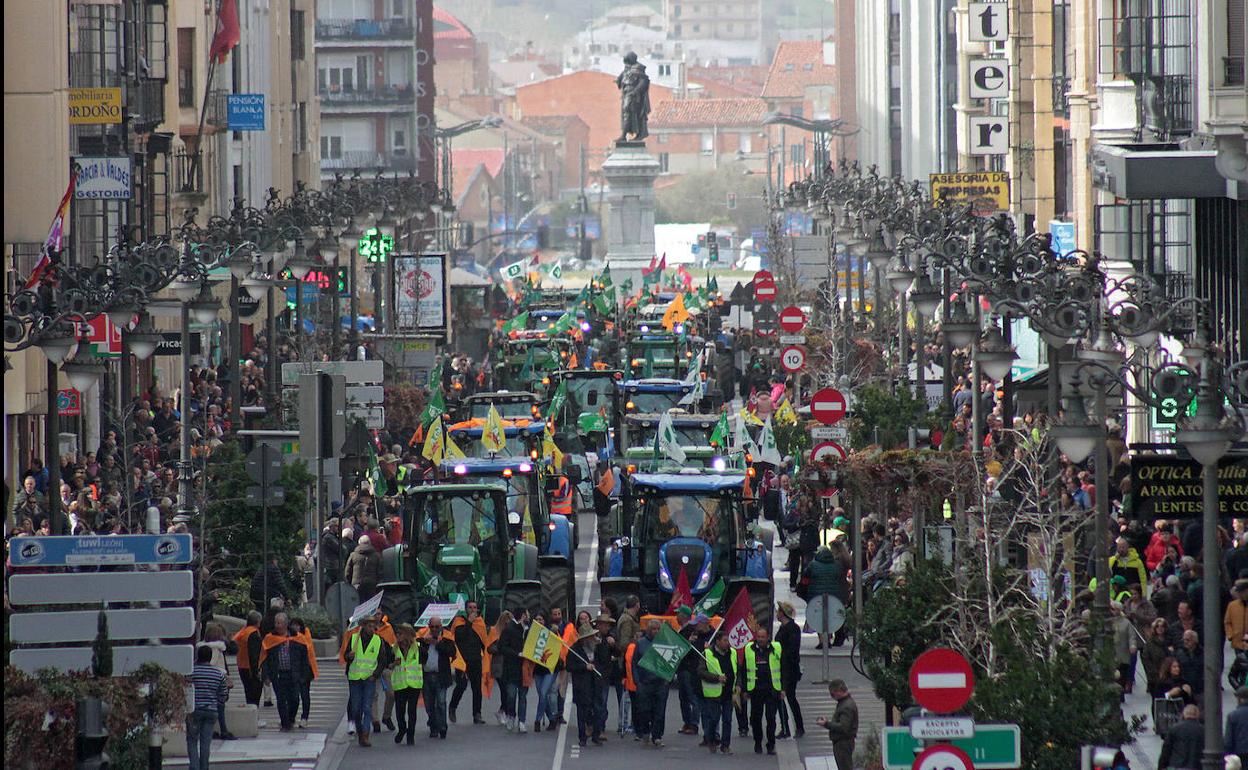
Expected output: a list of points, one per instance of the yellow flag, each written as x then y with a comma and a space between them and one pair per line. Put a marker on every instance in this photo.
541, 646
493, 435
453, 451
749, 418
785, 413
435, 443
549, 449
675, 313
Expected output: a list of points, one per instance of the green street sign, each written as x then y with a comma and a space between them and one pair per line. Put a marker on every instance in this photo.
994, 747
374, 246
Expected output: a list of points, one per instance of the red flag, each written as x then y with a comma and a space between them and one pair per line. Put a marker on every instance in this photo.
685, 277
535, 261
228, 33
739, 622
682, 595
56, 234
663, 261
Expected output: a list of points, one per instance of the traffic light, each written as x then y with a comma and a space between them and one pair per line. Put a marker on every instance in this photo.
712, 244
344, 282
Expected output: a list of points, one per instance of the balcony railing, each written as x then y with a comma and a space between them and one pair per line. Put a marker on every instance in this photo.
188, 172
1061, 95
1233, 70
379, 95
218, 109
364, 29
367, 159
147, 103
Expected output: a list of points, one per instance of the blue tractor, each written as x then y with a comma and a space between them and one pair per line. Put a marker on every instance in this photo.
692, 521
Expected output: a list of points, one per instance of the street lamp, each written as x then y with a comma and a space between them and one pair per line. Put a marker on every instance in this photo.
58, 342
143, 339
82, 374
204, 307
993, 354
925, 296
961, 328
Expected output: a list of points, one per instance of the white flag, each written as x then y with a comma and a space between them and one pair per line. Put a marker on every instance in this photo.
556, 272
694, 378
741, 439
514, 270
669, 442
768, 451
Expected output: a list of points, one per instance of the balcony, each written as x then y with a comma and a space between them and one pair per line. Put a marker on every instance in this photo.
218, 109
188, 173
369, 30
388, 97
147, 104
368, 159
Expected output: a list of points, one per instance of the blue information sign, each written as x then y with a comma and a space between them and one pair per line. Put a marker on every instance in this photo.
245, 112
1063, 237
106, 549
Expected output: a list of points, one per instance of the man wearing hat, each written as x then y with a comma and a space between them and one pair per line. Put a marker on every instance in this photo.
607, 661
687, 674
586, 684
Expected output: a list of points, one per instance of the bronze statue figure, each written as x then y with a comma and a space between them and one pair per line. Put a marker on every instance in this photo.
634, 85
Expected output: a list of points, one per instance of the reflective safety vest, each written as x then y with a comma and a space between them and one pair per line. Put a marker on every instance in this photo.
561, 501
751, 666
364, 662
407, 672
630, 684
716, 689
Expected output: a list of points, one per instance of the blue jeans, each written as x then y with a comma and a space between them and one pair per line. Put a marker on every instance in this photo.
360, 703
435, 703
199, 737
624, 702
517, 695
717, 721
547, 697
690, 697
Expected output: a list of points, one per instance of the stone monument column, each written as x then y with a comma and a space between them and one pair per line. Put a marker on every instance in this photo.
630, 172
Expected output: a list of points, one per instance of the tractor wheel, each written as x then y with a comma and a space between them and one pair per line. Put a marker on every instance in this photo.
525, 594
768, 538
620, 589
399, 603
558, 588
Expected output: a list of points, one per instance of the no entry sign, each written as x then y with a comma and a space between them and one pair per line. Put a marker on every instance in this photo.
792, 319
765, 292
764, 276
828, 406
941, 680
792, 359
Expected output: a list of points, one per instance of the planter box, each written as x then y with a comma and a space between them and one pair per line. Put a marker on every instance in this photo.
175, 742
231, 625
243, 720
326, 648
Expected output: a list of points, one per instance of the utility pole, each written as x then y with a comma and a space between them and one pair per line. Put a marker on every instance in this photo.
582, 204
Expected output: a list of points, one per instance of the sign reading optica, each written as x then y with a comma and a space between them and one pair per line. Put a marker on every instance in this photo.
1166, 487
103, 178
987, 191
94, 106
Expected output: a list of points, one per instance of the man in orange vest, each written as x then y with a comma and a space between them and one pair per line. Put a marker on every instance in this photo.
561, 498
248, 660
629, 704
471, 661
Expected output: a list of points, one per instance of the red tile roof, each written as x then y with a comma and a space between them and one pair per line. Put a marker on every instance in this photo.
708, 112
469, 158
728, 82
447, 27
797, 64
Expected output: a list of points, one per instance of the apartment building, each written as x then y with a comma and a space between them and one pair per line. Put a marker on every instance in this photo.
716, 32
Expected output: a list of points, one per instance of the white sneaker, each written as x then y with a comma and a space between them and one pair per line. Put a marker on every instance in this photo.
522, 730
511, 724
303, 724
351, 729
501, 717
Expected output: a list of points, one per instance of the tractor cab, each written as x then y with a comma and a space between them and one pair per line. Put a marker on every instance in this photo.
592, 411
523, 437
691, 522
511, 405
652, 395
657, 354
693, 432
528, 360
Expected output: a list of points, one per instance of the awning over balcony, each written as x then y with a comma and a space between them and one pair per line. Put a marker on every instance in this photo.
1144, 171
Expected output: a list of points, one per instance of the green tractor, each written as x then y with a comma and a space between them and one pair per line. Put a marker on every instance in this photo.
459, 542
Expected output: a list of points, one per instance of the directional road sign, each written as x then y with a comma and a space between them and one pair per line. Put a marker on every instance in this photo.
828, 406
941, 680
355, 372
943, 758
374, 417
792, 359
366, 395
82, 625
792, 319
257, 495
178, 658
95, 587
994, 747
827, 450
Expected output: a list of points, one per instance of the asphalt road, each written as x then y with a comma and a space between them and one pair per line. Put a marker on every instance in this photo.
488, 746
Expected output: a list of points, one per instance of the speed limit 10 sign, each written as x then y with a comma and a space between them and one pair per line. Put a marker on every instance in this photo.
792, 359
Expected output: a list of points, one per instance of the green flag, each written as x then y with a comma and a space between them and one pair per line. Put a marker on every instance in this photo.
556, 272
601, 306
665, 653
558, 400
712, 286
709, 604
526, 371
516, 324
434, 409
627, 286
375, 477
719, 436
582, 299
649, 370
428, 582
514, 270
605, 278
435, 377
565, 324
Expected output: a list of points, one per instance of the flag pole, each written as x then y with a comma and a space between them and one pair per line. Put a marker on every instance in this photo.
197, 159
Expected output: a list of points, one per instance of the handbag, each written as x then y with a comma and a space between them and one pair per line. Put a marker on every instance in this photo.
803, 588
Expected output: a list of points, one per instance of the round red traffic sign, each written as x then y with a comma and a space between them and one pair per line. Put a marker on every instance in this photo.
828, 406
792, 319
764, 276
943, 757
792, 359
941, 680
825, 450
765, 292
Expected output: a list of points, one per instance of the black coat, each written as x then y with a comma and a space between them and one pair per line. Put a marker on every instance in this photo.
446, 653
1182, 746
300, 669
790, 638
510, 643
587, 686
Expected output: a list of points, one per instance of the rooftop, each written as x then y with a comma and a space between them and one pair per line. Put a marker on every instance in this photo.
797, 65
709, 112
447, 27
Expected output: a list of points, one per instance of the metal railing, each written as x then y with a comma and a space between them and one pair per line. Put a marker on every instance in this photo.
364, 29
381, 94
218, 111
1233, 70
147, 103
368, 159
1061, 95
188, 172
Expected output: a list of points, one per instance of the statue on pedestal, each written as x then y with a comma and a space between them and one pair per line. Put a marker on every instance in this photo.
634, 85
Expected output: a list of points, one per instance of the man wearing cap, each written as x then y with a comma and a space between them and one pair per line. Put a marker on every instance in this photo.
717, 669
437, 650
652, 691
789, 637
687, 673
366, 658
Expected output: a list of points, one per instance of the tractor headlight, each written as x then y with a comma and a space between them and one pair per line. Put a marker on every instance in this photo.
719, 464
704, 580
665, 578
461, 470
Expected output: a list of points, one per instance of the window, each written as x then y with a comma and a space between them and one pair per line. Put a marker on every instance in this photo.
708, 142
298, 47
676, 12
745, 142
186, 67
697, 28
788, 67
796, 110
400, 141
677, 30
301, 127
665, 70
362, 66
664, 162
399, 9
331, 147
732, 200
797, 154
808, 67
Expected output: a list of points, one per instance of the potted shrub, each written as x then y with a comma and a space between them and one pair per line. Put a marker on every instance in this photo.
320, 626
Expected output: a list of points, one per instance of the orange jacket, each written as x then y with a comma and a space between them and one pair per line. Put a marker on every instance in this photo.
561, 500
241, 640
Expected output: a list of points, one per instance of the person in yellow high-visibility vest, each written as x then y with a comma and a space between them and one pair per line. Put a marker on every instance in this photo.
407, 679
718, 672
762, 685
366, 657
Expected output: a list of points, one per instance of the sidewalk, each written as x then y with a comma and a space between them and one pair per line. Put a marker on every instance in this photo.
328, 704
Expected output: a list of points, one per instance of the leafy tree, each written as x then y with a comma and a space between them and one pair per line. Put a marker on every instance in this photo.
792, 439
703, 197
234, 525
885, 418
